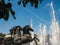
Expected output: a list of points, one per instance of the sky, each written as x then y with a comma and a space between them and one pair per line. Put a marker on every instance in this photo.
40, 15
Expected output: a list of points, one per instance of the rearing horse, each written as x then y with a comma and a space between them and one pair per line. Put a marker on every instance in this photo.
27, 35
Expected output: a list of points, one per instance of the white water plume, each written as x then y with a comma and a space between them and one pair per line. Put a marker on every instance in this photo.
53, 38
42, 35
54, 28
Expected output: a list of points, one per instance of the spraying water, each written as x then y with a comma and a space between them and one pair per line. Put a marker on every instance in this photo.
53, 37
32, 33
42, 35
54, 31
54, 28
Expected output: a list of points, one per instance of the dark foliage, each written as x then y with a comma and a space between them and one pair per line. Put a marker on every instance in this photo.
32, 2
6, 8
2, 35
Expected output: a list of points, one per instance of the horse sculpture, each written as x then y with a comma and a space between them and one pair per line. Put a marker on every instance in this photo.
18, 38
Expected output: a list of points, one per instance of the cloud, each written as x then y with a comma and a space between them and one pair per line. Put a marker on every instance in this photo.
47, 5
35, 15
59, 9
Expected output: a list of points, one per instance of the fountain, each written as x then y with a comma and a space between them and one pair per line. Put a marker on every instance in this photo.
32, 33
53, 37
45, 39
42, 35
54, 28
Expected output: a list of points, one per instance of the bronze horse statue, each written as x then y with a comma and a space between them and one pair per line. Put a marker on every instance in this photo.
18, 39
26, 37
